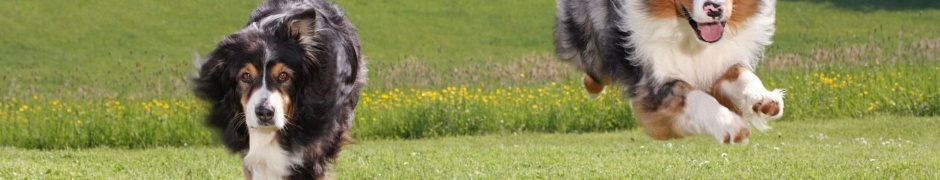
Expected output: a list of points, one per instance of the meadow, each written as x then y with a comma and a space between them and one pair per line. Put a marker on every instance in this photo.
883, 147
459, 81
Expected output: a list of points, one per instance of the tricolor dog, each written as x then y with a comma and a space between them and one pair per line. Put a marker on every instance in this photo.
688, 65
283, 89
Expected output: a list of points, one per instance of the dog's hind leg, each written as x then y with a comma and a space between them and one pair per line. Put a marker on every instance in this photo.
739, 89
675, 110
593, 87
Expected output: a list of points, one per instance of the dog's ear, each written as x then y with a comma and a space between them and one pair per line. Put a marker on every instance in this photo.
208, 83
213, 77
301, 27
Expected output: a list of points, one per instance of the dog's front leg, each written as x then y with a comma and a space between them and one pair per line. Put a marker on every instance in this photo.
247, 172
740, 90
675, 110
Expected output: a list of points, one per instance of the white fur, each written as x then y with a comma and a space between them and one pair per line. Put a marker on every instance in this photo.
265, 157
273, 18
274, 100
699, 15
671, 50
747, 91
705, 116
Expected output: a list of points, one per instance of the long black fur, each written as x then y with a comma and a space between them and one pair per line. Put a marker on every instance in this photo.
325, 91
600, 50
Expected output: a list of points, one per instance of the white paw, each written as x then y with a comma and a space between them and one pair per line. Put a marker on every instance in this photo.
729, 128
763, 107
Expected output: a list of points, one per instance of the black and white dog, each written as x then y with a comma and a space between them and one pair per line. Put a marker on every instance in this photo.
687, 63
284, 88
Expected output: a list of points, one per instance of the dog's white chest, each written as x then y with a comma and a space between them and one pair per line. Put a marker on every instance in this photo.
266, 159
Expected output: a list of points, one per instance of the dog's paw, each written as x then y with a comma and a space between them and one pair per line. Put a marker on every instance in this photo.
730, 128
763, 107
768, 105
592, 88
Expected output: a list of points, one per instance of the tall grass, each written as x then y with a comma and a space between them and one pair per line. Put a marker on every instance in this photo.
463, 111
45, 123
860, 80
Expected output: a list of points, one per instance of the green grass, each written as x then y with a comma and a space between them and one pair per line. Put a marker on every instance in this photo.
454, 32
94, 49
107, 73
108, 163
879, 147
97, 89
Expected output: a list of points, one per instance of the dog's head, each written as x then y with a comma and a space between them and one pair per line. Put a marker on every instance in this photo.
275, 66
709, 19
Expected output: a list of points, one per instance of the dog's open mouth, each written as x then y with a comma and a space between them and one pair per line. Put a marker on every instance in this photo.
708, 32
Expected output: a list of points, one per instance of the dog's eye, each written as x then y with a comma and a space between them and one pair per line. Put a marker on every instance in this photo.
245, 77
282, 77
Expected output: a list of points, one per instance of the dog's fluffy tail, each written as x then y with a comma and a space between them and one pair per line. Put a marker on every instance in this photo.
587, 35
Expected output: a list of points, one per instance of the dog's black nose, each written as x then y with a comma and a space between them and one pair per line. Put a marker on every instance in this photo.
265, 114
714, 10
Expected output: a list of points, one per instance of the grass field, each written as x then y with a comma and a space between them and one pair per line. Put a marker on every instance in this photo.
461, 89
879, 147
87, 49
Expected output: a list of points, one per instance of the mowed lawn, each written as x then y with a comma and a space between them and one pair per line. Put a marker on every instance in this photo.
883, 147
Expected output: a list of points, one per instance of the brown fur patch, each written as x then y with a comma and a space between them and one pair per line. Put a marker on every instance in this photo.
660, 122
282, 87
745, 132
772, 108
741, 11
245, 87
347, 139
730, 75
592, 86
667, 8
277, 69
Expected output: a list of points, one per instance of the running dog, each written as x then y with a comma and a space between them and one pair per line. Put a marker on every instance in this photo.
283, 89
688, 65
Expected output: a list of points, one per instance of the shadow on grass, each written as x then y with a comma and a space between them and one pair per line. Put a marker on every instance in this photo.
874, 5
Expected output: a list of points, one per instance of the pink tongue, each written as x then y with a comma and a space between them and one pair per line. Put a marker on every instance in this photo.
711, 32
